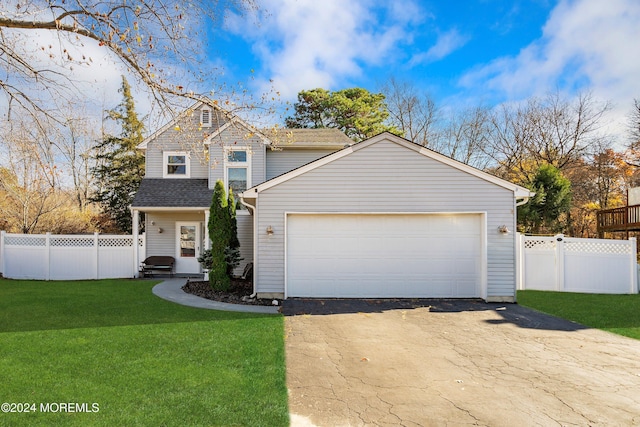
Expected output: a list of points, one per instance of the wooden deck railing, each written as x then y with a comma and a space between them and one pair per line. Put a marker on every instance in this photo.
626, 218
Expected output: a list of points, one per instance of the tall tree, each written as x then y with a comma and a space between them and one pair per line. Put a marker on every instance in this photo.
552, 130
465, 137
220, 225
357, 112
412, 112
146, 37
29, 181
120, 165
543, 213
633, 152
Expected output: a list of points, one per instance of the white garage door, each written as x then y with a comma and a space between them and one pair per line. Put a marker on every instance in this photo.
384, 255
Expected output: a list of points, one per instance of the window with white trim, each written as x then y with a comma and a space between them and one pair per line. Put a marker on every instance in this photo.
237, 170
176, 164
205, 117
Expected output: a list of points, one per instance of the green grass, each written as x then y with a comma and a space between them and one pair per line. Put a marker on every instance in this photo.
143, 360
619, 314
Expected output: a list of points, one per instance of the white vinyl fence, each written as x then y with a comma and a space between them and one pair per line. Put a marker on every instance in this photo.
68, 257
569, 264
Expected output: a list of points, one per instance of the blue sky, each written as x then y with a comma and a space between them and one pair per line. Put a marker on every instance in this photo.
461, 53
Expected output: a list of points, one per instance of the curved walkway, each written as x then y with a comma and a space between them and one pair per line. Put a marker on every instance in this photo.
171, 290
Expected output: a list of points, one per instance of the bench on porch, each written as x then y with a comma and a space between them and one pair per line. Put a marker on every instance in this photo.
157, 263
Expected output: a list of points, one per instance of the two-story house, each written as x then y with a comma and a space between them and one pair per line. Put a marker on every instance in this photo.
320, 216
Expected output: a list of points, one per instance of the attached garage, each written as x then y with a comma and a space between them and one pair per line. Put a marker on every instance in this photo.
385, 218
417, 255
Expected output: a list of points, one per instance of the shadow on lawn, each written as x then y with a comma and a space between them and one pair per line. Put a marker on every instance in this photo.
511, 313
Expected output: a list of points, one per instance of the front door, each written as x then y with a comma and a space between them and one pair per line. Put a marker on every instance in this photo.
188, 243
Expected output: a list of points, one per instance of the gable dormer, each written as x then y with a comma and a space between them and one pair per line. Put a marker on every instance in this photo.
177, 151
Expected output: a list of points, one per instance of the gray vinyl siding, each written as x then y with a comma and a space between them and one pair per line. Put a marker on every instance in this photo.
235, 136
165, 243
245, 236
287, 159
188, 138
386, 177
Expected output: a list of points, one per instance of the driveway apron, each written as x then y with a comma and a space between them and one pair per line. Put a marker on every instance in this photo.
454, 363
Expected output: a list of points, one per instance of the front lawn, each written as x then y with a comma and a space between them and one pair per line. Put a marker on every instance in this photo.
619, 314
144, 361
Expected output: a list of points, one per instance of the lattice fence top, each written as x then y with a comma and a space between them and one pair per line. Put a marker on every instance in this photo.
599, 247
115, 242
72, 242
25, 241
539, 244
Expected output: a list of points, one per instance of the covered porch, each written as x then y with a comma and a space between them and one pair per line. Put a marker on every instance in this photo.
177, 232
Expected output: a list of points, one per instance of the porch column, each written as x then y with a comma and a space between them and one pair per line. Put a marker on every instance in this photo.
135, 234
207, 241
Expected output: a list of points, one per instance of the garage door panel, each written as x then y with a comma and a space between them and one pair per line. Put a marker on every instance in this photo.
425, 255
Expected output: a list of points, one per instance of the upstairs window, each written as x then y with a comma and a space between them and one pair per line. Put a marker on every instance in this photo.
176, 164
205, 117
237, 171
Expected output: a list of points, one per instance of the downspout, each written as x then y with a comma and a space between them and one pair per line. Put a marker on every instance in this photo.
522, 202
255, 240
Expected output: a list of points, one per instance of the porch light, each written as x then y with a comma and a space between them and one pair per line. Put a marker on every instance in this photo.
269, 230
503, 229
160, 230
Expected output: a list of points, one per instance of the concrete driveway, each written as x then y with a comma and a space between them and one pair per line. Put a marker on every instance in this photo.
454, 363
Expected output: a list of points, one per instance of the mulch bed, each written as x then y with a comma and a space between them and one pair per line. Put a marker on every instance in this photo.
238, 293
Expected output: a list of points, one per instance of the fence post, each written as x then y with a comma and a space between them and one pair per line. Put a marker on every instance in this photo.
47, 245
559, 262
96, 244
2, 234
519, 261
633, 262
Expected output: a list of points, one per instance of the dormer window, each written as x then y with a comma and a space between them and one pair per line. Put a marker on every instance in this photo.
205, 117
176, 164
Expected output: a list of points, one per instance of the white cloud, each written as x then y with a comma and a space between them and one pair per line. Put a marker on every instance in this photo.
89, 83
304, 44
586, 44
447, 42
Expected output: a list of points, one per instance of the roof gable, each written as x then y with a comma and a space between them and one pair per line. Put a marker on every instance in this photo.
236, 121
190, 110
519, 192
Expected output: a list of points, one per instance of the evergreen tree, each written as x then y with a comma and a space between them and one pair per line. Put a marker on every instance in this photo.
224, 255
120, 165
544, 212
357, 112
220, 234
232, 252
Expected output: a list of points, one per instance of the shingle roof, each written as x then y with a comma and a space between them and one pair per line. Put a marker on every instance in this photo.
307, 138
179, 193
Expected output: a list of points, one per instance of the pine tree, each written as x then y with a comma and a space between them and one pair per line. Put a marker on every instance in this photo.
120, 164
